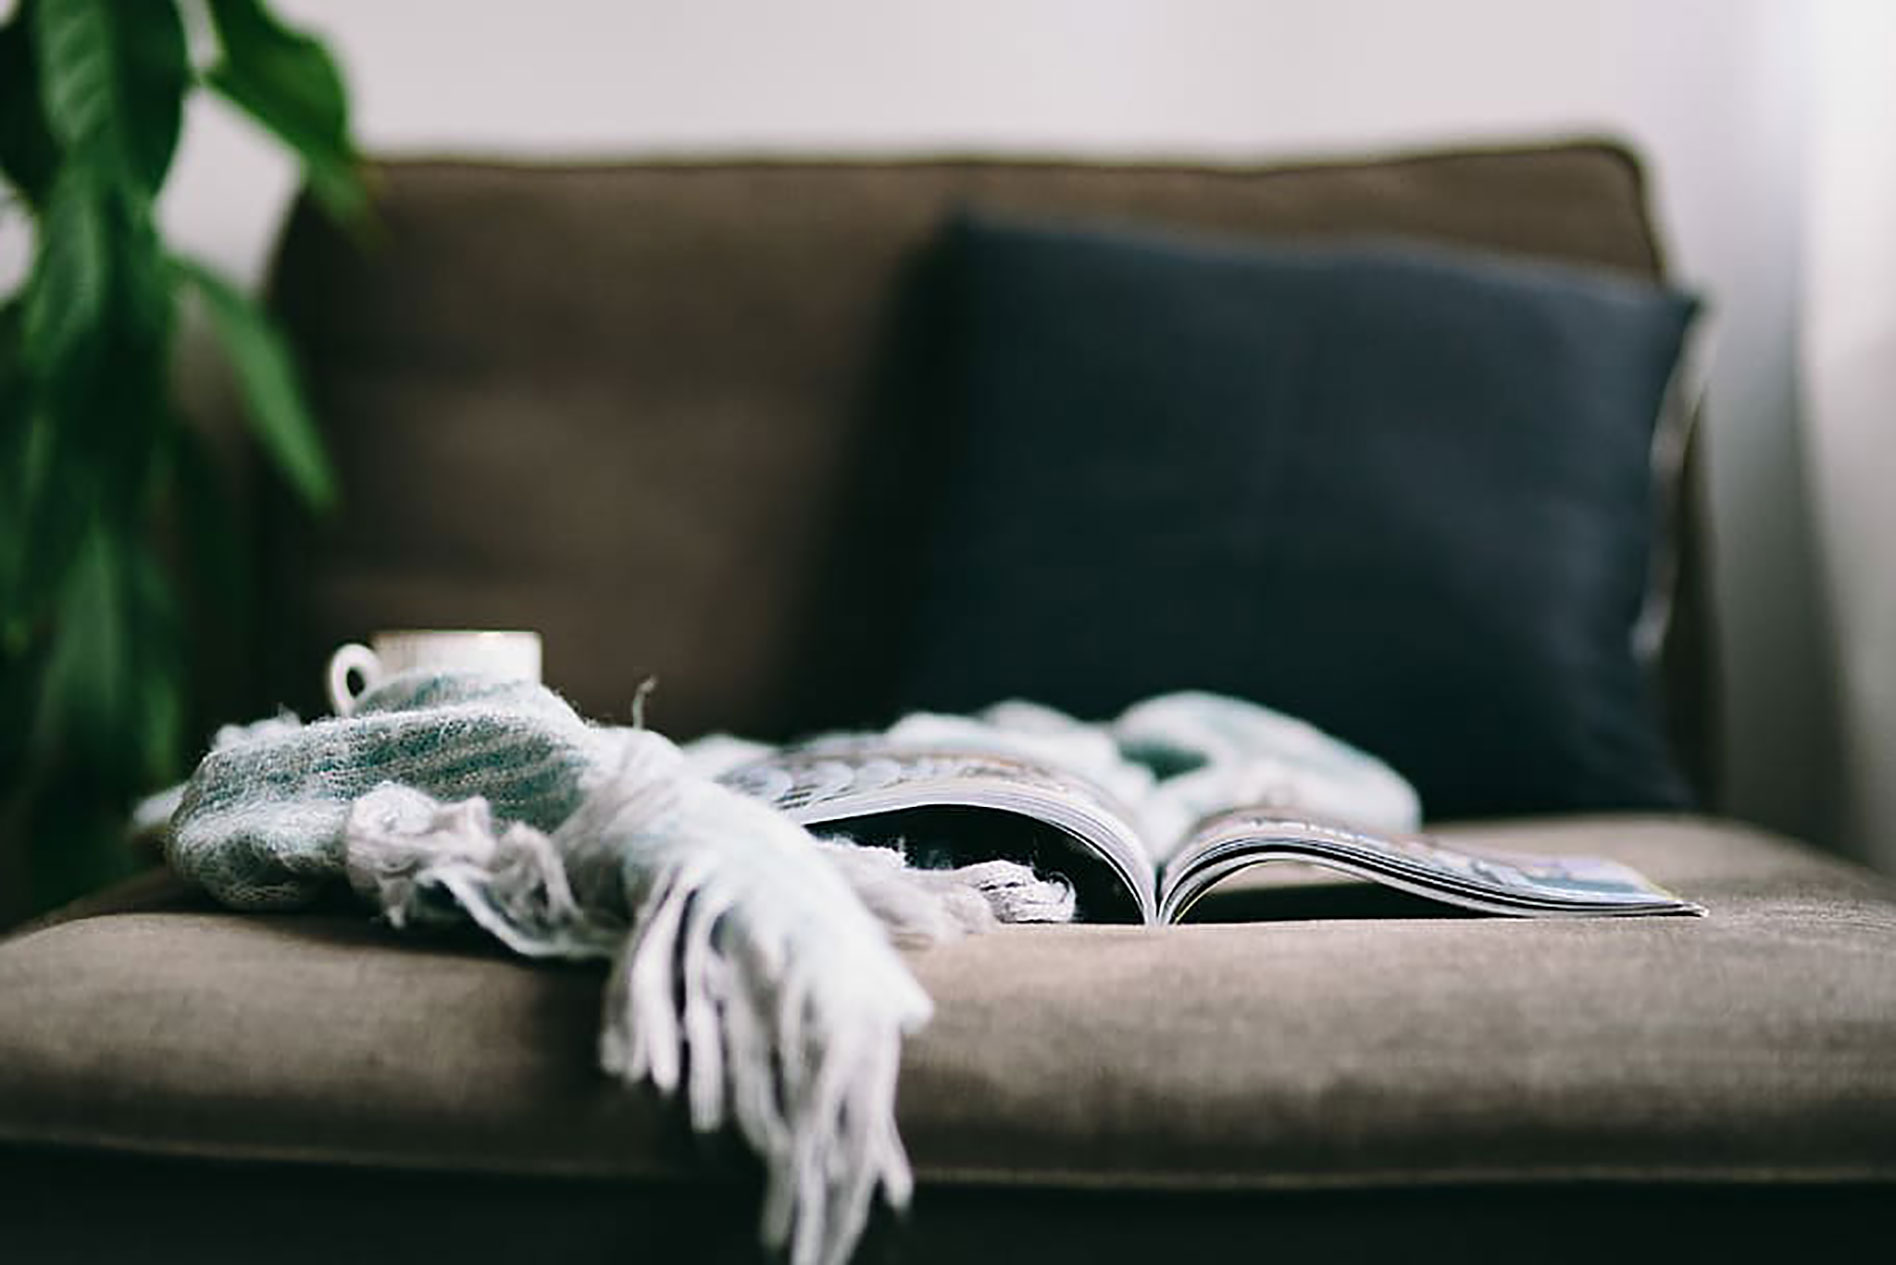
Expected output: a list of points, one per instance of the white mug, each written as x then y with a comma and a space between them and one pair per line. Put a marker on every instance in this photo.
515, 655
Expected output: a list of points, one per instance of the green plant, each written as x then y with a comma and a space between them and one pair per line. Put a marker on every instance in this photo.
99, 471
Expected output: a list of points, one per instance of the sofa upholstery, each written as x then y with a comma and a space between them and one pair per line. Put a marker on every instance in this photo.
1717, 1079
646, 408
1252, 1048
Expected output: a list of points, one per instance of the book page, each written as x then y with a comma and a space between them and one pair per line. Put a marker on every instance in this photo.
835, 782
1487, 879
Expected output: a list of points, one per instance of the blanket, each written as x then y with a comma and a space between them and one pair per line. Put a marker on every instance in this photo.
755, 969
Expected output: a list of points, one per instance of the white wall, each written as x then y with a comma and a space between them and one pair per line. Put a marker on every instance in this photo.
1849, 338
1714, 91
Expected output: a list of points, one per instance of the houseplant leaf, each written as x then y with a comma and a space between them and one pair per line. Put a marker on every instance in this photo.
90, 734
94, 487
95, 336
157, 702
112, 82
69, 289
266, 374
28, 156
288, 83
87, 683
16, 409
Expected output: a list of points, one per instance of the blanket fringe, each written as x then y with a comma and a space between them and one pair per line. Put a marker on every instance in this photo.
760, 987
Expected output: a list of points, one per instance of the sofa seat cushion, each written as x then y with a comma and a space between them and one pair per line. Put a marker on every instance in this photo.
1395, 1046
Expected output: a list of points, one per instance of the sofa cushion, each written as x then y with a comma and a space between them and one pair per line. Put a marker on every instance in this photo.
1402, 492
1390, 1047
669, 420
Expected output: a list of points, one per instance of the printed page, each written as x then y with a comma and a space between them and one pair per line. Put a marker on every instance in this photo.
837, 781
1487, 879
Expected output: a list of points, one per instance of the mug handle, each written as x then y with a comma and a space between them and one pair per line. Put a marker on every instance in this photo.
356, 658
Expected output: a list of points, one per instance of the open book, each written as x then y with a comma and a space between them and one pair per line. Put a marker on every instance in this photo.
1064, 824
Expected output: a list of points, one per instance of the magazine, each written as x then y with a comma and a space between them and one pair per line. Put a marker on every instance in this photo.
1062, 823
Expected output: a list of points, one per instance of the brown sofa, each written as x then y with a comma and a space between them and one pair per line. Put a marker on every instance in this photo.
648, 410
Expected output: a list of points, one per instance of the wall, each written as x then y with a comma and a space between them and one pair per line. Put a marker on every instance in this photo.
1849, 342
1714, 91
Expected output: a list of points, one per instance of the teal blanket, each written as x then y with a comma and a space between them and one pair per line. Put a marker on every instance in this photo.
754, 968
747, 974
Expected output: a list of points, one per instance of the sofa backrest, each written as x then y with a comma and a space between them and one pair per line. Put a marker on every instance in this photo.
637, 406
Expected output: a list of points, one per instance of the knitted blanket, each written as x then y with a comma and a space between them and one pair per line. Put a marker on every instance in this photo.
754, 967
746, 972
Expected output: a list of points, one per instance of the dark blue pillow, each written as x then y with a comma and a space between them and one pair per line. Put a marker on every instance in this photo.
1400, 491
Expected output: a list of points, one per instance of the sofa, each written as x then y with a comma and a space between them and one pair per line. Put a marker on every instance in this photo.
645, 408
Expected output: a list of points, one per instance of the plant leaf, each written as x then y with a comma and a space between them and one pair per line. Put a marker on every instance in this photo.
87, 686
112, 81
143, 282
50, 517
27, 153
94, 337
96, 329
158, 698
112, 690
267, 375
288, 82
70, 286
16, 412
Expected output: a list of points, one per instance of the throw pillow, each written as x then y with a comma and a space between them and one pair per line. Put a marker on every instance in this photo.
1401, 491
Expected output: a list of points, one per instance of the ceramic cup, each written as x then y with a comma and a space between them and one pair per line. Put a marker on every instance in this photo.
509, 654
